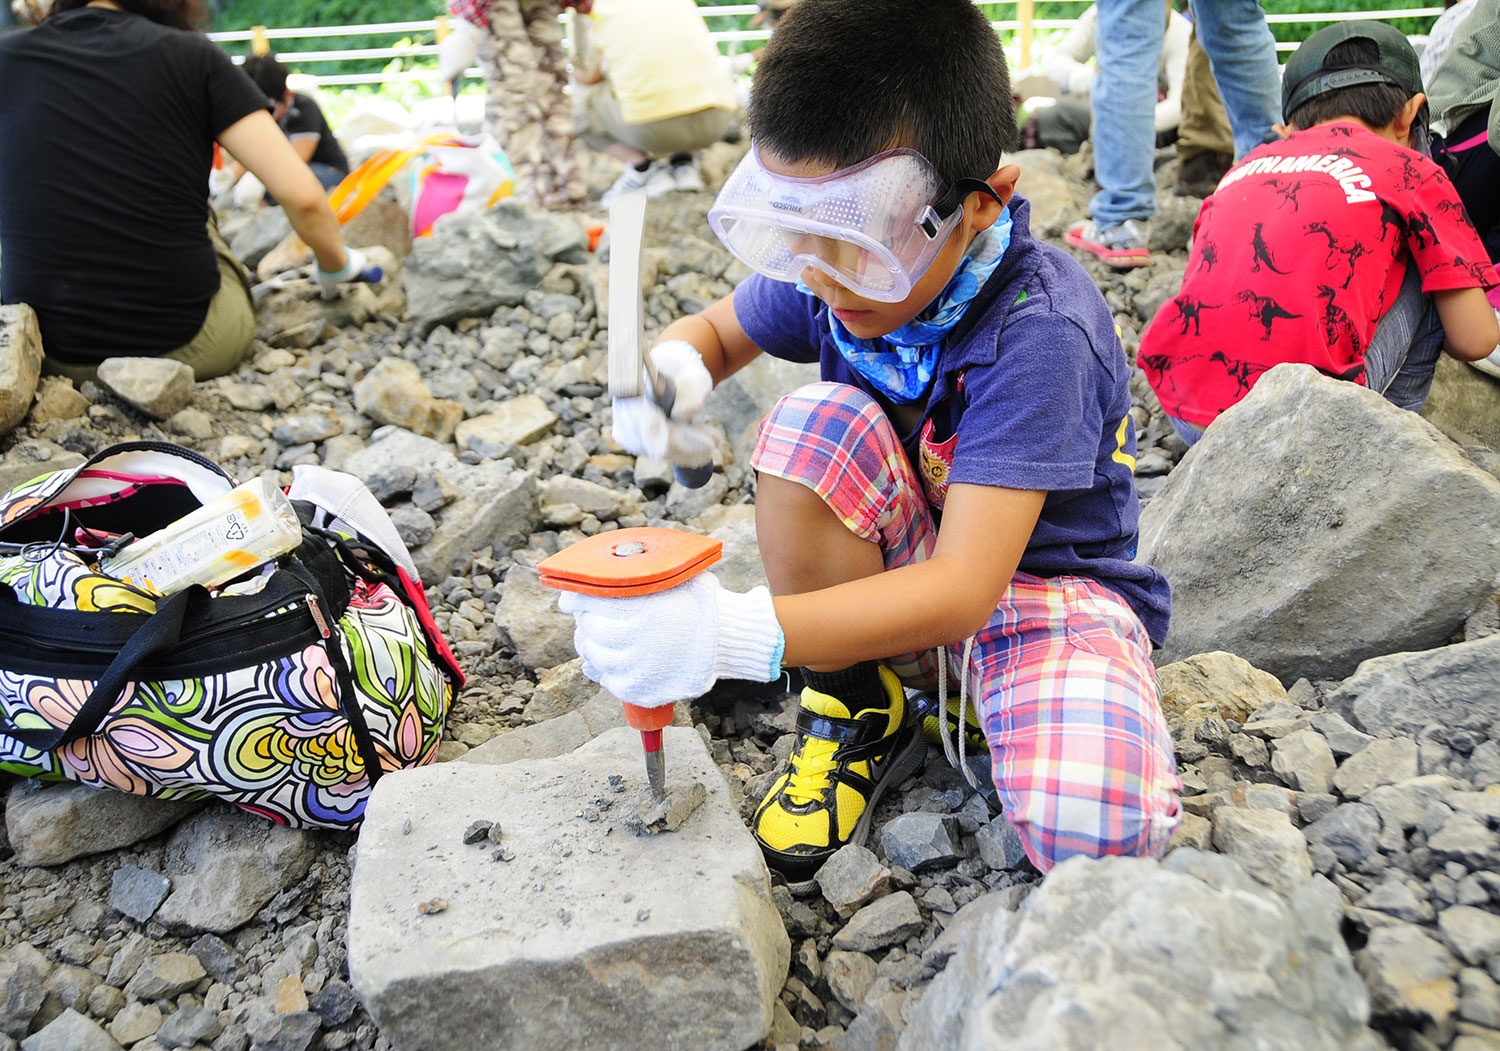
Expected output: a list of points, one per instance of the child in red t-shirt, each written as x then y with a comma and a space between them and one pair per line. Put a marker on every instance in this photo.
1342, 246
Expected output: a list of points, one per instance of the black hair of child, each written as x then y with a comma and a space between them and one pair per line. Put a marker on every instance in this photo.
269, 75
178, 14
1375, 104
843, 80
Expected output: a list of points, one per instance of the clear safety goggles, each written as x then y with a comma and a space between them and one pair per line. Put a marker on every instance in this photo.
874, 227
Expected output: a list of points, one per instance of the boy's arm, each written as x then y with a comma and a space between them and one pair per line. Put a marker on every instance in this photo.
1469, 328
718, 338
943, 600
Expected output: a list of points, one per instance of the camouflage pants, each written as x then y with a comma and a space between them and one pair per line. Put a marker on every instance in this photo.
525, 106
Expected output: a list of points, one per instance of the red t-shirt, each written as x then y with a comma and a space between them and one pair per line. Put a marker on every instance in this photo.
1296, 257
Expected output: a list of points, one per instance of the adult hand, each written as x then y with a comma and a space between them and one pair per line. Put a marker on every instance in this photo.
357, 268
657, 649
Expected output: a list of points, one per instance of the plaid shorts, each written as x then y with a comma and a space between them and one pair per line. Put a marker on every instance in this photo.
1080, 754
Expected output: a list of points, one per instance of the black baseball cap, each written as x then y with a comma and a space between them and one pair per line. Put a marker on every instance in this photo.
1307, 74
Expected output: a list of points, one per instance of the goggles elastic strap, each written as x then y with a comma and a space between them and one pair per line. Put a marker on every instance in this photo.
933, 216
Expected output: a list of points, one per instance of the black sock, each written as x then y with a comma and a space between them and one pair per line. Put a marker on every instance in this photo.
858, 686
680, 158
643, 165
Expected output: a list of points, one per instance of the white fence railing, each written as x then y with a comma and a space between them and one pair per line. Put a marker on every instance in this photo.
1022, 26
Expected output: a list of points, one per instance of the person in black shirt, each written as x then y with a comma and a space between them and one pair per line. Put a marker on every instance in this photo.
108, 114
302, 120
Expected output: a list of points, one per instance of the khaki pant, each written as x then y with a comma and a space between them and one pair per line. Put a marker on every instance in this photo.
1204, 127
598, 121
227, 329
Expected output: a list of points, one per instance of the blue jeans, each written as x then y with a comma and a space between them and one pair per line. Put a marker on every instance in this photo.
1242, 53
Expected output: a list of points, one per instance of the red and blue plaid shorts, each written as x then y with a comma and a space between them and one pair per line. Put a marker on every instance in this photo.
1080, 753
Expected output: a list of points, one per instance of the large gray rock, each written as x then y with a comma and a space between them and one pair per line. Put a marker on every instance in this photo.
1464, 402
1266, 844
20, 362
474, 263
159, 387
70, 1031
49, 824
26, 460
1301, 533
528, 614
225, 865
588, 936
496, 504
267, 228
1186, 953
1457, 687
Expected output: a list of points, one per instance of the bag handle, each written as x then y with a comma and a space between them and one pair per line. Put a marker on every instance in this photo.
160, 631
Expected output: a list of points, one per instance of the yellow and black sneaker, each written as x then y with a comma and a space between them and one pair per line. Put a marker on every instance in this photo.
839, 770
925, 709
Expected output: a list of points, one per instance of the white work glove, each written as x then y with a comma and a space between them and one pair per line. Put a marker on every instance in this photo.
356, 268
640, 426
657, 649
248, 191
220, 180
458, 49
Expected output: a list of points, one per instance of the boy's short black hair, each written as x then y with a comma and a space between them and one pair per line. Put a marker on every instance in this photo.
269, 75
1377, 104
842, 80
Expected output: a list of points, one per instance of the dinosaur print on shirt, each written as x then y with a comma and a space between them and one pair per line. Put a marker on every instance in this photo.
1296, 257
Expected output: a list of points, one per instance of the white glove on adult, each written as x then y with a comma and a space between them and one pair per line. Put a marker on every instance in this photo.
458, 49
220, 180
656, 649
355, 269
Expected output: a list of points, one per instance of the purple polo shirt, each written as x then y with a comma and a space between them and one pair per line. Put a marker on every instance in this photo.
1031, 392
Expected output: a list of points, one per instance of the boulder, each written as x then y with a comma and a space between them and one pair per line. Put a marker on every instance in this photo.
1464, 403
1452, 686
393, 392
557, 927
49, 824
159, 387
1189, 952
267, 228
529, 617
474, 263
20, 362
225, 865
515, 422
1301, 532
1215, 683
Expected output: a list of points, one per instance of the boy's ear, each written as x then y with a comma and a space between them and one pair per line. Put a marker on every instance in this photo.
1407, 117
1283, 130
987, 209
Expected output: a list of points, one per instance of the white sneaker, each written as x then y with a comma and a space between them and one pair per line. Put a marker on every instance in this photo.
1490, 366
659, 180
687, 178
630, 179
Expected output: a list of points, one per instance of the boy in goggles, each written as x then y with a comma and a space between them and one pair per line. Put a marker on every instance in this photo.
955, 502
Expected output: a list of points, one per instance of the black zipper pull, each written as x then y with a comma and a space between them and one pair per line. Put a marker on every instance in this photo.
317, 614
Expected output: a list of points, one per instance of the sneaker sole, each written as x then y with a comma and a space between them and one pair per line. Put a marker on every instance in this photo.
1488, 367
1118, 258
905, 763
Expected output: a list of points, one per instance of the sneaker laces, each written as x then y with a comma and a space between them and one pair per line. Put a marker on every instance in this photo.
810, 768
959, 761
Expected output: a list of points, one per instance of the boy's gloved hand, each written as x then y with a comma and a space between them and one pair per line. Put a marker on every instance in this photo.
643, 429
357, 268
679, 361
656, 649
